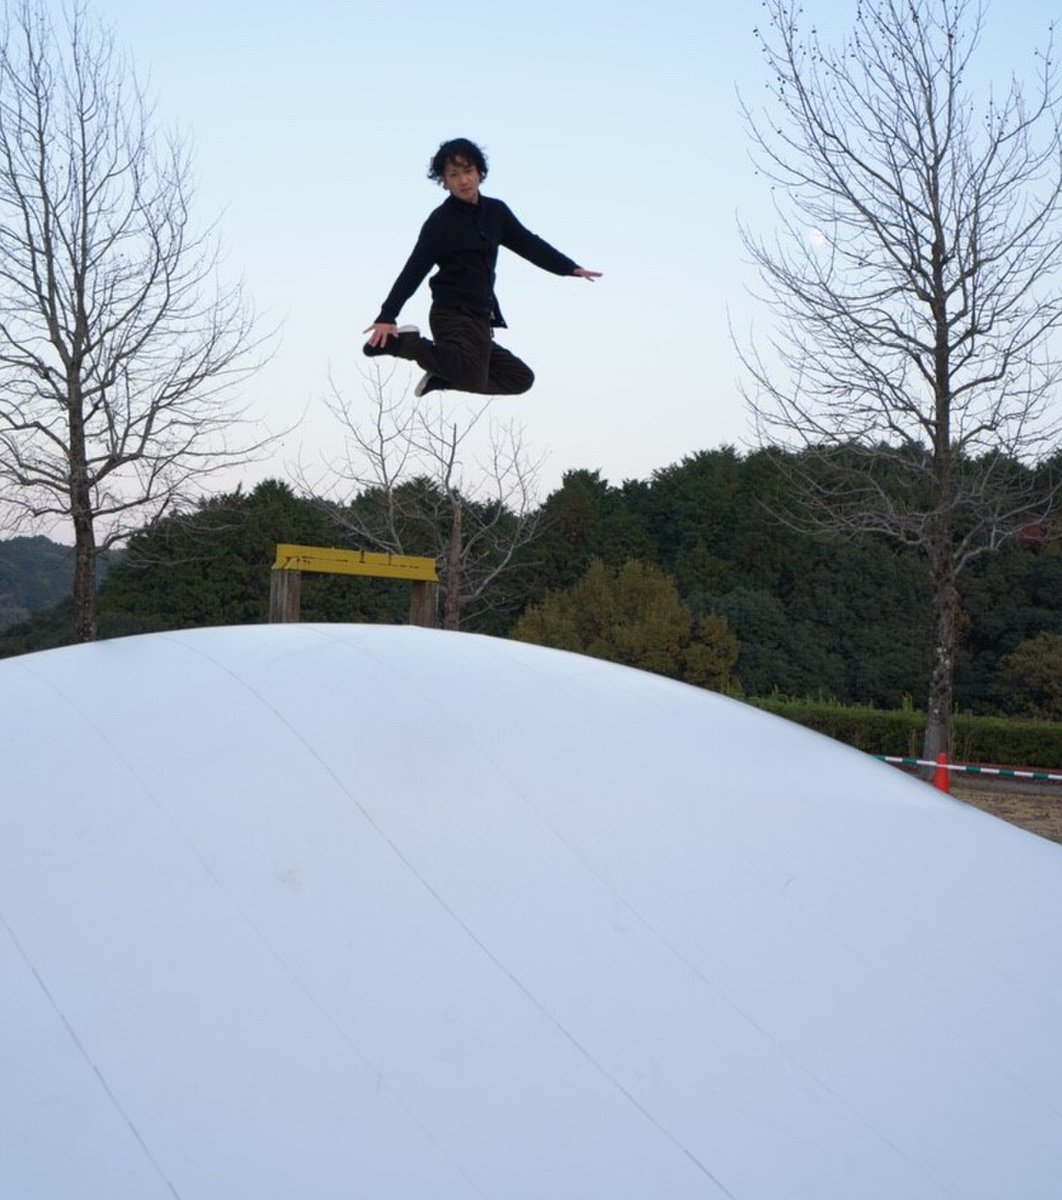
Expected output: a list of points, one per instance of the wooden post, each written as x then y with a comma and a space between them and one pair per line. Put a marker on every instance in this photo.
285, 584
423, 603
285, 594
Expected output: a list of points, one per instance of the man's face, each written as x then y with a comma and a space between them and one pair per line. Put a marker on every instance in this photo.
461, 179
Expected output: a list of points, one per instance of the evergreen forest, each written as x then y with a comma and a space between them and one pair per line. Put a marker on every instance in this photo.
725, 593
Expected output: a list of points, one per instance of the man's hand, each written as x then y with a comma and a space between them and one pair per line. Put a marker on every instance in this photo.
380, 331
583, 273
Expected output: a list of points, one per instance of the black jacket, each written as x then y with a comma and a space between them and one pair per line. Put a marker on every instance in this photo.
462, 239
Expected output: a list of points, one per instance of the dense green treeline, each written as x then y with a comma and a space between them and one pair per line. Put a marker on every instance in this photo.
848, 620
212, 568
843, 620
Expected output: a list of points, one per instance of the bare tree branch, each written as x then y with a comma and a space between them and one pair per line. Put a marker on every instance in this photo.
914, 282
119, 350
413, 480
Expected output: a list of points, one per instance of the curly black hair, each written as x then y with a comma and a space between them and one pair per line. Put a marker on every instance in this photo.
451, 151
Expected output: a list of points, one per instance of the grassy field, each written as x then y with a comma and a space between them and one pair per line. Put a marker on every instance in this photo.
1033, 807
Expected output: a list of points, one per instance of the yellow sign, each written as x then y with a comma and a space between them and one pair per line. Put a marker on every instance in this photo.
354, 562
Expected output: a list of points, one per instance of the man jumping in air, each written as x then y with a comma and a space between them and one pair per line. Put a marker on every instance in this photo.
461, 237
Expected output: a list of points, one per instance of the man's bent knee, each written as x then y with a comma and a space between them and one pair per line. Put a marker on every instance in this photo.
514, 381
524, 381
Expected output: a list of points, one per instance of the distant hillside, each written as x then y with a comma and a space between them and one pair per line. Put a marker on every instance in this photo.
35, 574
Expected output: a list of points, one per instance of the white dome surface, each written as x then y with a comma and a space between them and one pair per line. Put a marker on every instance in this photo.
312, 912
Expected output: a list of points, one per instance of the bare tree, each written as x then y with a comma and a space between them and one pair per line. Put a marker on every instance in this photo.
414, 480
118, 348
914, 281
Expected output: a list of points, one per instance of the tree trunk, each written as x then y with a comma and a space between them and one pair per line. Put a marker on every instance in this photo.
938, 738
939, 534
86, 606
452, 606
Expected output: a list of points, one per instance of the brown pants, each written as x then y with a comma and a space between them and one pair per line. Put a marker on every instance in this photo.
465, 354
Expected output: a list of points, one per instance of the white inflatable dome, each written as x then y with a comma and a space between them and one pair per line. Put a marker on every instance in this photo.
322, 912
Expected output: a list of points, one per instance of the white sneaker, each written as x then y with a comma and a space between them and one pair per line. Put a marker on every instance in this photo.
430, 383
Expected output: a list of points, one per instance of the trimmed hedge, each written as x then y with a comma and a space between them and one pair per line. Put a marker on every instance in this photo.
999, 741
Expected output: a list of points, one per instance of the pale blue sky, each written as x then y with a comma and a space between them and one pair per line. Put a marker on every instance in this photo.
612, 130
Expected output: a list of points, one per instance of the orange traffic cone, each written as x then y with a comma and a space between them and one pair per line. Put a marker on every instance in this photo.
942, 776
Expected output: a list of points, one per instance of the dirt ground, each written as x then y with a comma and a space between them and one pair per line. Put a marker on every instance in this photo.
1036, 807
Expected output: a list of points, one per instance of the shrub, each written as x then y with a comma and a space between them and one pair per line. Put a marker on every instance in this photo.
1003, 741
